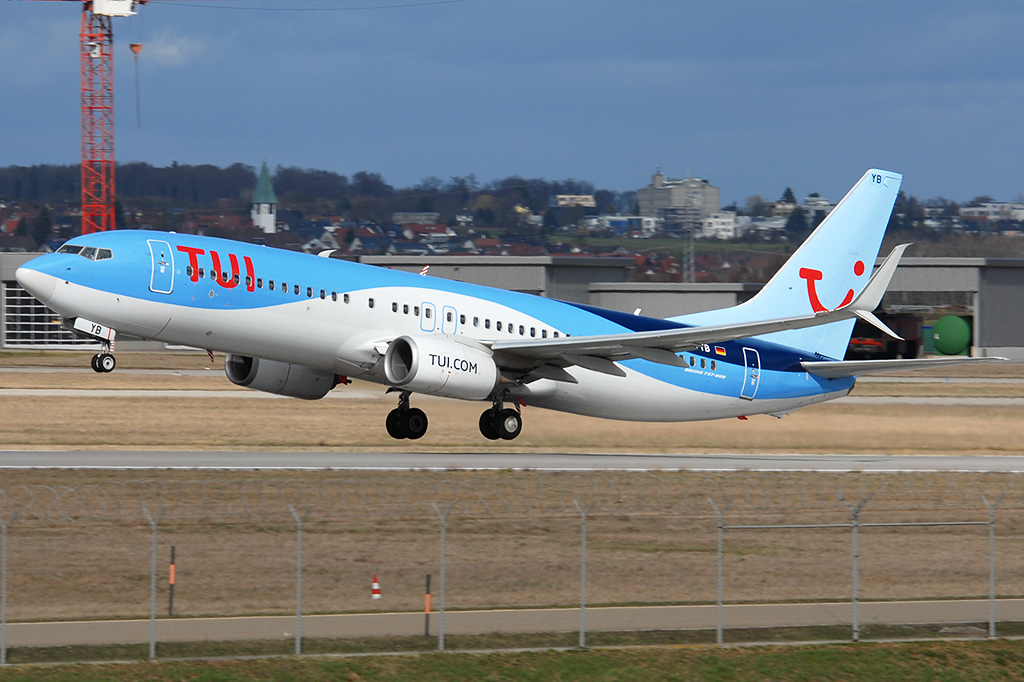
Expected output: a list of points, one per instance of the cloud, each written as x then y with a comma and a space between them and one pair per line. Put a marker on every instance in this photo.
170, 50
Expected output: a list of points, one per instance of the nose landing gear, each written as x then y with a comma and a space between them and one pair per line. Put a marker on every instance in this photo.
404, 421
104, 361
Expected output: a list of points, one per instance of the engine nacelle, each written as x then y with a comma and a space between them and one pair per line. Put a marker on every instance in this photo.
280, 378
428, 364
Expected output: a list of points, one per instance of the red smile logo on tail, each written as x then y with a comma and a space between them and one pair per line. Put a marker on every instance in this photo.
813, 276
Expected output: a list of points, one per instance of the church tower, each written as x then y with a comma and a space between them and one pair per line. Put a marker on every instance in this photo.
264, 203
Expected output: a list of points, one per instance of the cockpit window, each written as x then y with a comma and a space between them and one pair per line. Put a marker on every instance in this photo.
90, 252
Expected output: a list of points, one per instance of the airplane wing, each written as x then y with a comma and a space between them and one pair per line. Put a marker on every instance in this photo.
599, 352
849, 368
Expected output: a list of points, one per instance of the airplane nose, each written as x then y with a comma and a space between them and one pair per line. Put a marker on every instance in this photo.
36, 283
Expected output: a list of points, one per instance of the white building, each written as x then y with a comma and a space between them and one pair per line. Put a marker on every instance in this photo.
724, 225
994, 210
677, 199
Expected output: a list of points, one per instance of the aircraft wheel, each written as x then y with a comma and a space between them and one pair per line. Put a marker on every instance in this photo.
487, 425
96, 363
394, 425
106, 362
509, 423
414, 423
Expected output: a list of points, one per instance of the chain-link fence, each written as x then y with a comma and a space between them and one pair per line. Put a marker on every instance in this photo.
268, 545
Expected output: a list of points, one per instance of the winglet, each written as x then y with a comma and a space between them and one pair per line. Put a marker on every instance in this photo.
864, 305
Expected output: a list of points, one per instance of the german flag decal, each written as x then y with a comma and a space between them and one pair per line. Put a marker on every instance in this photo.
719, 350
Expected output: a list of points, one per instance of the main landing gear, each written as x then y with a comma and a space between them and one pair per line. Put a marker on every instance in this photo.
104, 361
404, 421
500, 422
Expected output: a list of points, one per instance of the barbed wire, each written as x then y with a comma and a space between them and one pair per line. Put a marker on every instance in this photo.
522, 494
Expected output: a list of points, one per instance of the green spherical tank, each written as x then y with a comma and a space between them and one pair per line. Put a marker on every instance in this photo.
952, 335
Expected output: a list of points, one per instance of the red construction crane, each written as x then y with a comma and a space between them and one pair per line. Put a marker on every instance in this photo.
96, 57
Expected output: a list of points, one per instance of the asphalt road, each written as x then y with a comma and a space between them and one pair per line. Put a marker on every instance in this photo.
601, 619
404, 461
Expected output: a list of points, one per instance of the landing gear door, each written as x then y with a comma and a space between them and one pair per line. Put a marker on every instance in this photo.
162, 280
751, 374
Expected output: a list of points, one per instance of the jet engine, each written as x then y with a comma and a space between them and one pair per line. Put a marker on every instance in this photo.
280, 378
438, 366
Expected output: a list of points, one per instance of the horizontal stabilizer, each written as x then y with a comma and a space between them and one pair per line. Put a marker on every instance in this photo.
850, 368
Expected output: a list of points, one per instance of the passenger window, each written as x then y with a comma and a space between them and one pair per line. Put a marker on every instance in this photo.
224, 278
248, 281
309, 292
296, 289
692, 361
371, 302
427, 313
462, 319
511, 328
487, 324
394, 307
405, 309
270, 285
259, 282
476, 321
522, 330
236, 280
703, 363
346, 298
334, 296
497, 325
555, 335
543, 333
188, 271
104, 254
450, 317
202, 273
714, 365
533, 331
416, 310
323, 295
213, 275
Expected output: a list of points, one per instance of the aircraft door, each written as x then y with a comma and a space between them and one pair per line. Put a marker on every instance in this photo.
162, 279
751, 373
427, 317
449, 320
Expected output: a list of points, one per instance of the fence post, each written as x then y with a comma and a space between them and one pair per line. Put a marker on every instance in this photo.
153, 522
298, 576
4, 525
855, 550
583, 570
719, 636
443, 516
992, 561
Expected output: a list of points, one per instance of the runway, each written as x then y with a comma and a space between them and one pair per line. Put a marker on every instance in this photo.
504, 621
553, 461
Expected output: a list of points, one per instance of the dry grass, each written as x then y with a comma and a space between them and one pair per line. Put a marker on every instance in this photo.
247, 566
99, 569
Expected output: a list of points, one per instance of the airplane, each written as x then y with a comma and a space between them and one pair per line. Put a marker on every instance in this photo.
299, 325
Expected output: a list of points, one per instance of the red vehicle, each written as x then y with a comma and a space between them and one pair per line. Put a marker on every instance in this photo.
868, 343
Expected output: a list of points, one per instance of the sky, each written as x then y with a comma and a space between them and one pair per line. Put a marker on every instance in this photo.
754, 96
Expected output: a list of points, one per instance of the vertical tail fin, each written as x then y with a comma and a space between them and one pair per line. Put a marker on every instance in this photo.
828, 270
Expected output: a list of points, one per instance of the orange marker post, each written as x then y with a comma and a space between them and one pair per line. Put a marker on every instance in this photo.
170, 591
426, 611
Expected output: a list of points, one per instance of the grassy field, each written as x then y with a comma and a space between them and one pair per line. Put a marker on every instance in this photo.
892, 662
